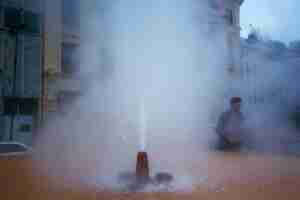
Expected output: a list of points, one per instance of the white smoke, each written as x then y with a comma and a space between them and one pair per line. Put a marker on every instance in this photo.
269, 96
167, 53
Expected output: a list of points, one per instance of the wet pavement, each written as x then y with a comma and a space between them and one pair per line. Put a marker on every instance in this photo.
223, 176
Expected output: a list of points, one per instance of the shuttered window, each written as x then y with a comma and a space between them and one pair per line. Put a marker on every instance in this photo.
229, 16
31, 67
23, 106
12, 17
71, 13
22, 20
70, 59
31, 22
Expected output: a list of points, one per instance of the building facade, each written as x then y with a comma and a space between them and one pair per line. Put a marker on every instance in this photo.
64, 77
223, 18
47, 61
222, 26
61, 60
268, 67
20, 68
39, 45
232, 31
233, 66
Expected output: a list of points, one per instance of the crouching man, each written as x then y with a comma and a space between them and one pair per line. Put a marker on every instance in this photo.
230, 126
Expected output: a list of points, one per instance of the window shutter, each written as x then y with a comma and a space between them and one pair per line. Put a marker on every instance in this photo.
31, 22
12, 17
32, 67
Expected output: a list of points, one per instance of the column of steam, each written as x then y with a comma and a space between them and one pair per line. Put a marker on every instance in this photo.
142, 165
143, 126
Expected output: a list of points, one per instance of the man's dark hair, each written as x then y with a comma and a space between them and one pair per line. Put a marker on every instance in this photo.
235, 100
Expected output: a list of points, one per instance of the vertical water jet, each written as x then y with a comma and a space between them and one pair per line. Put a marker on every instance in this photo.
142, 163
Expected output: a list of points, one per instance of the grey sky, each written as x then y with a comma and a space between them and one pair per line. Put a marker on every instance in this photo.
276, 19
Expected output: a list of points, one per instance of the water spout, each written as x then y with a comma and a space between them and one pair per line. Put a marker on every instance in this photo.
143, 125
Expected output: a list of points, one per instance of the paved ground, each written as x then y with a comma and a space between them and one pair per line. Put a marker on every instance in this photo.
227, 176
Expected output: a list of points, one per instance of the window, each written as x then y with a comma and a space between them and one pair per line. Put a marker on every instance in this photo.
32, 22
23, 106
66, 99
25, 128
70, 60
19, 19
7, 51
229, 16
71, 13
214, 4
12, 17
